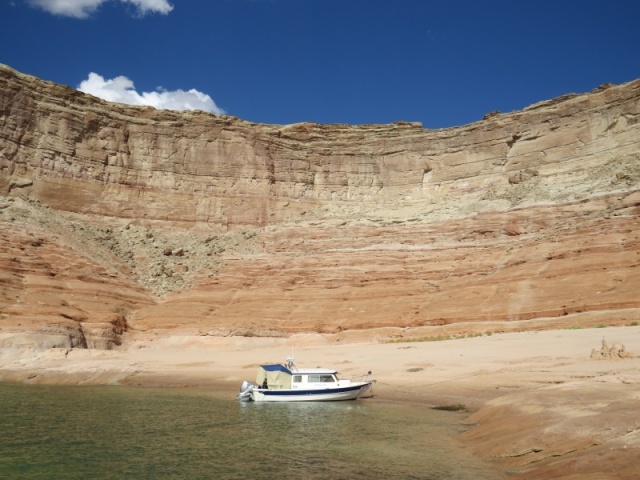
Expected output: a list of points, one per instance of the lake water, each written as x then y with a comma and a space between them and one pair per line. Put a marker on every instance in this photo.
122, 432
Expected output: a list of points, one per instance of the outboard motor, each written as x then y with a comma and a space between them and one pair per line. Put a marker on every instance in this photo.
245, 390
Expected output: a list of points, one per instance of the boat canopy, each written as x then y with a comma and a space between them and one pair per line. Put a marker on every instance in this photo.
277, 376
276, 368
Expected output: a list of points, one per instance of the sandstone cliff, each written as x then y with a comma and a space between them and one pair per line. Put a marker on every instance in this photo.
118, 220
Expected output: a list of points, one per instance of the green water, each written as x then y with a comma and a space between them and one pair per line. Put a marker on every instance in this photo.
120, 432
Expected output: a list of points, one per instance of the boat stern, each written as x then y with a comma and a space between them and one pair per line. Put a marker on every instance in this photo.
246, 390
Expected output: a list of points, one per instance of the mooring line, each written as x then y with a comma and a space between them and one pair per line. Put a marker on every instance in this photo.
427, 385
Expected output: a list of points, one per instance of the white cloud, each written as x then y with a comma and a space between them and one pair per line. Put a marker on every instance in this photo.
68, 8
151, 6
122, 90
84, 8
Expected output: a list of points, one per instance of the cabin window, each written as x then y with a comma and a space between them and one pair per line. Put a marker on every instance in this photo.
321, 378
297, 379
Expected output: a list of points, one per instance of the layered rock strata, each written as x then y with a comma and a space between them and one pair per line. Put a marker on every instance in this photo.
80, 154
210, 225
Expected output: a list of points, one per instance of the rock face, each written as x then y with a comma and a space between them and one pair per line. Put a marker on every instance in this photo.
120, 219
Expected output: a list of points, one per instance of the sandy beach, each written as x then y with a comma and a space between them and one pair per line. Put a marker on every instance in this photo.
539, 405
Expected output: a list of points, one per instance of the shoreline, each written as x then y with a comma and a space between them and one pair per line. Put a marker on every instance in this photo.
539, 405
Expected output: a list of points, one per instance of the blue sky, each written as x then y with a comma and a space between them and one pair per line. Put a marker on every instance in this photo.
443, 63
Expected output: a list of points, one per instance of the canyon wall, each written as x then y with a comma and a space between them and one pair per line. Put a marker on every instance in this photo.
81, 154
120, 219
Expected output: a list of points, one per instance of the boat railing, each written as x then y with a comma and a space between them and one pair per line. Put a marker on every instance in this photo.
364, 377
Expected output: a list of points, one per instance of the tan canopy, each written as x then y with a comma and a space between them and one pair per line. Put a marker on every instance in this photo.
277, 376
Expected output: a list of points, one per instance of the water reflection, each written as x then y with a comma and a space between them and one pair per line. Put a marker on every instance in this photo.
118, 432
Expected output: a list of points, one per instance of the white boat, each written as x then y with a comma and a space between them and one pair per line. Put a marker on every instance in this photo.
288, 383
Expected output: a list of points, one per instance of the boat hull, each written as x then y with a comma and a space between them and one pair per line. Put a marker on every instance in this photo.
351, 392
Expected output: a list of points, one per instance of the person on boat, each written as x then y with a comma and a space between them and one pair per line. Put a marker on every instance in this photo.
265, 385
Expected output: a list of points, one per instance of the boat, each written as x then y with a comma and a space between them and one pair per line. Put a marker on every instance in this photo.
288, 383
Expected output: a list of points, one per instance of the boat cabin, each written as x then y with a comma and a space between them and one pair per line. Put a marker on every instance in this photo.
278, 376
